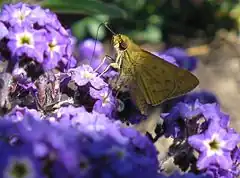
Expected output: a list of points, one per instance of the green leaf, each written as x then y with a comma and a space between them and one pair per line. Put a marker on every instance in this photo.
87, 7
151, 34
79, 29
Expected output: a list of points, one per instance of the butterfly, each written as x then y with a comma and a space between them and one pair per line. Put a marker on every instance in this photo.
150, 79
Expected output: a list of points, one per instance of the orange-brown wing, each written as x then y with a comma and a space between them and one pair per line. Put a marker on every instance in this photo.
159, 80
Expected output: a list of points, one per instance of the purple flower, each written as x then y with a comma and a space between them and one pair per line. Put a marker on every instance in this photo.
215, 146
84, 74
56, 48
19, 161
174, 124
86, 49
199, 115
105, 103
25, 41
16, 14
182, 58
215, 171
202, 96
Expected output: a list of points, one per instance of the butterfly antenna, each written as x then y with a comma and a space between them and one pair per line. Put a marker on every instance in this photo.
107, 27
95, 43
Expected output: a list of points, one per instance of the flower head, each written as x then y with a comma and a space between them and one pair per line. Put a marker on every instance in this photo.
84, 74
25, 41
56, 48
181, 115
105, 101
87, 48
19, 161
215, 146
15, 14
35, 34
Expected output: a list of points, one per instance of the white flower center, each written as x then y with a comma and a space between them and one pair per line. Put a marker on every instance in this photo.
21, 14
88, 75
25, 39
214, 145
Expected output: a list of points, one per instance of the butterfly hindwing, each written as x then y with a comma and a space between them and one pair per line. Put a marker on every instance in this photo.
160, 80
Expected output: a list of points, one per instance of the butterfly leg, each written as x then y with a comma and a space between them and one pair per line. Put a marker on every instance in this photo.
115, 65
104, 59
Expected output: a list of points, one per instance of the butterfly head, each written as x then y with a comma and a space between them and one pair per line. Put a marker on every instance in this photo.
121, 42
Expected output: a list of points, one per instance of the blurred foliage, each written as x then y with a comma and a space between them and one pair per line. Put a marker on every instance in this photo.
154, 21
149, 21
89, 7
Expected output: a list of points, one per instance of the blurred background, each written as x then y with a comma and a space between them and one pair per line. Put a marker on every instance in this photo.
205, 29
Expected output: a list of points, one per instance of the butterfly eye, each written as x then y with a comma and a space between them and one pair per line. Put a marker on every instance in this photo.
123, 46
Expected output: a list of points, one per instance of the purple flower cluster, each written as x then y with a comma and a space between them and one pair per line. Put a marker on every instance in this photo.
30, 33
204, 128
75, 143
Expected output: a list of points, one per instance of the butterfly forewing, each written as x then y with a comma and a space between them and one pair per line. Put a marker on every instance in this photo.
159, 80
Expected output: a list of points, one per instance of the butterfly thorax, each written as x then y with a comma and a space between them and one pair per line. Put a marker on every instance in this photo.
127, 54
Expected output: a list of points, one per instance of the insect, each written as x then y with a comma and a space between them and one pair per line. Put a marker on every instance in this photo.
151, 80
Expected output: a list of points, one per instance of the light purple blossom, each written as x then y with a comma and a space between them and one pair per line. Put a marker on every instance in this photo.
86, 49
215, 146
84, 74
56, 48
105, 103
26, 41
15, 14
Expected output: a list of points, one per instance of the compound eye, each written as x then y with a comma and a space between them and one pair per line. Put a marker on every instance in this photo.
123, 45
